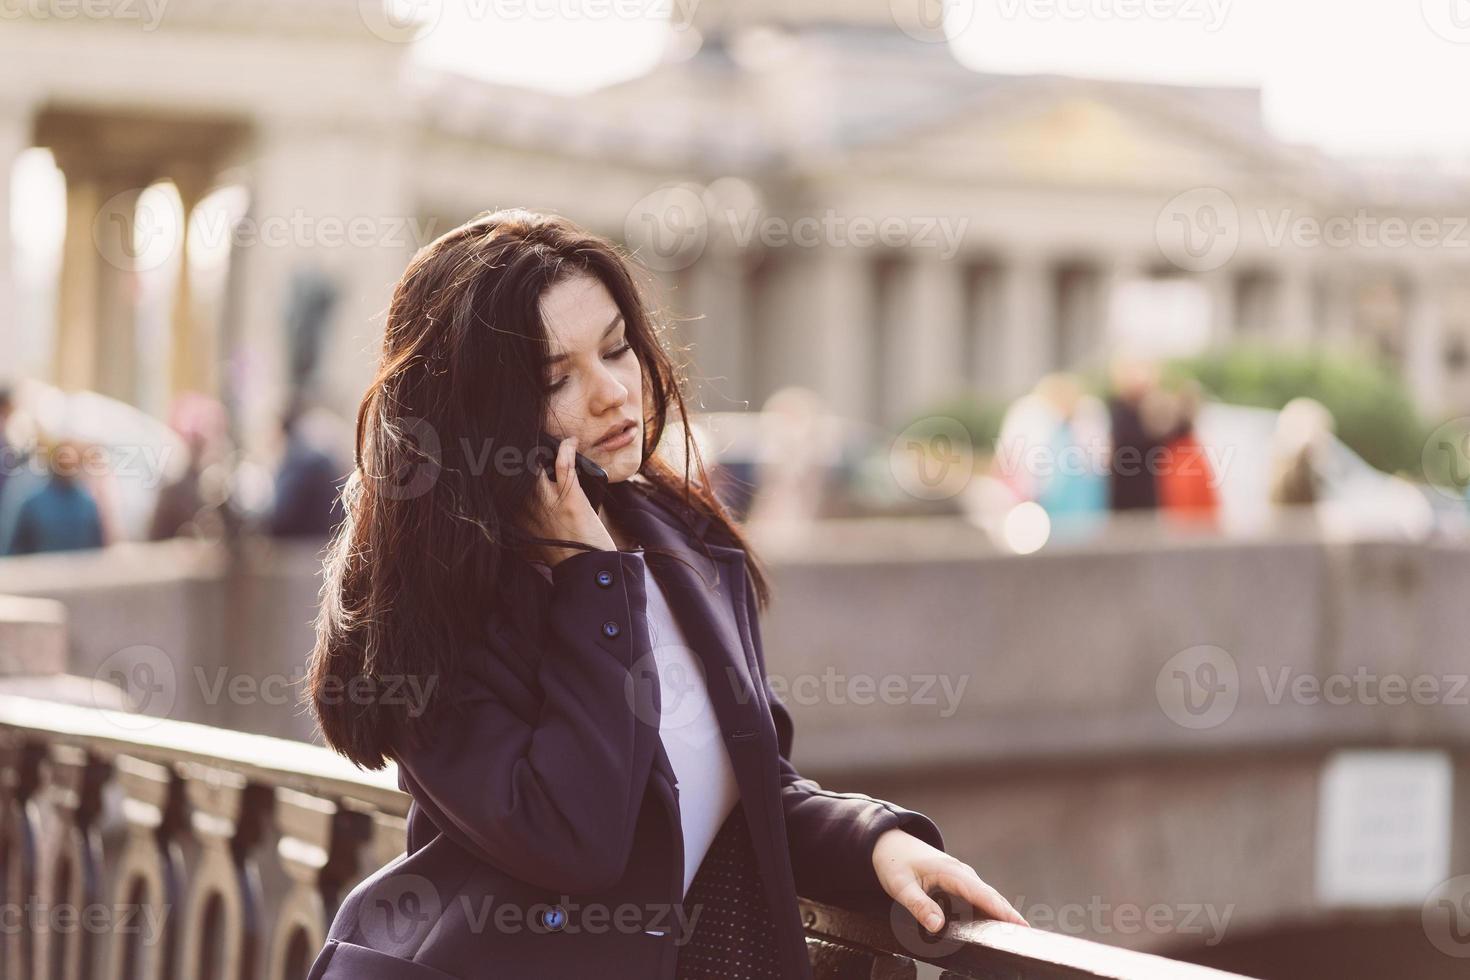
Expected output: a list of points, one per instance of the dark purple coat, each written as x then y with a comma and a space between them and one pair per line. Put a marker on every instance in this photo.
544, 836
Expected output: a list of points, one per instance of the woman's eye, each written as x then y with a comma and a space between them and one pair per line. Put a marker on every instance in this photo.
615, 352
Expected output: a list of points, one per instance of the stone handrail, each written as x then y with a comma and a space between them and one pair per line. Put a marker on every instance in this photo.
109, 820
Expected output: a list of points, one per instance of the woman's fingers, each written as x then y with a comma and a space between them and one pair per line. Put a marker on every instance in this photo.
923, 908
981, 896
554, 492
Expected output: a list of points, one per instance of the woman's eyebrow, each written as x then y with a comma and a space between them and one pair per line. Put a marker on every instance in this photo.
554, 358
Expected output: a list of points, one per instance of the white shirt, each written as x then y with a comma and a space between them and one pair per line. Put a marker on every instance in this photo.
689, 730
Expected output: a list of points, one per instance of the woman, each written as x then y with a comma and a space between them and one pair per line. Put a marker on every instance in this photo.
529, 662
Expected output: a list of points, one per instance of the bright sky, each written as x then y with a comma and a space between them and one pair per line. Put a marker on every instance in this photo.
1350, 75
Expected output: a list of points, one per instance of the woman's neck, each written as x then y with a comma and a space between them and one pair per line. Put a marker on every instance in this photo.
620, 538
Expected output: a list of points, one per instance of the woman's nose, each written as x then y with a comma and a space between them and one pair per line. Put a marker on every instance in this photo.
608, 392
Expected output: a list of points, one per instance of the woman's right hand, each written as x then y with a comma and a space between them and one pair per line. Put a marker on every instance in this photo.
566, 512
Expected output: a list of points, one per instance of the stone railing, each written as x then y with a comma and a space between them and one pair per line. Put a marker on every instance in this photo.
137, 847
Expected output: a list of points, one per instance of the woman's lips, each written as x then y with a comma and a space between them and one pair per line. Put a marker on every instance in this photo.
620, 440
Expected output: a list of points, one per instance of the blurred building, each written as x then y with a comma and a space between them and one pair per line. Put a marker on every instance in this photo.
846, 206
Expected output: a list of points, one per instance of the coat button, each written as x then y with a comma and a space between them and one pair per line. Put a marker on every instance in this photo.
610, 628
554, 918
604, 578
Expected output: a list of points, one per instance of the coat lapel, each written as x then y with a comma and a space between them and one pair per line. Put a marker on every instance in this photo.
704, 585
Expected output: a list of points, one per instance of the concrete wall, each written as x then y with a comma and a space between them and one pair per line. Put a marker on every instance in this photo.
1030, 713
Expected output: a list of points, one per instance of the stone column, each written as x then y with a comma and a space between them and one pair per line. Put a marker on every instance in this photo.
1027, 318
1338, 326
192, 348
722, 338
924, 351
827, 344
15, 136
1294, 307
1224, 317
115, 371
1424, 339
95, 338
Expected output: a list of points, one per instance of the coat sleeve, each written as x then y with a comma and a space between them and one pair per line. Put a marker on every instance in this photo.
556, 802
831, 835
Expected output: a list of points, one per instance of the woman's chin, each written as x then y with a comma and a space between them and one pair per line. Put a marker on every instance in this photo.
622, 464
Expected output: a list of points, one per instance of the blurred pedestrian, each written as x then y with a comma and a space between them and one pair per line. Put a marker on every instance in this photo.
1299, 453
1186, 480
200, 421
1074, 490
9, 456
1136, 444
60, 515
309, 480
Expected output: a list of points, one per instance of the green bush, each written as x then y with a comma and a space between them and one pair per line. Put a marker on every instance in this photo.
1372, 408
980, 417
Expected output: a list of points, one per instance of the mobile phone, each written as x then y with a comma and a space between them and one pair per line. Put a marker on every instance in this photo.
592, 477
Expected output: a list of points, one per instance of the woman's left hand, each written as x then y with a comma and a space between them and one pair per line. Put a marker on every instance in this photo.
908, 867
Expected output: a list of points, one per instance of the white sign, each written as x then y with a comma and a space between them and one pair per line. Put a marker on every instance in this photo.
1383, 826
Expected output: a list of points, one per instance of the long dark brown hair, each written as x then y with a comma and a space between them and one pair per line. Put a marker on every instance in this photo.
433, 540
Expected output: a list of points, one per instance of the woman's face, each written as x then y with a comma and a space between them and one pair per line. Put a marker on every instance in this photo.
594, 379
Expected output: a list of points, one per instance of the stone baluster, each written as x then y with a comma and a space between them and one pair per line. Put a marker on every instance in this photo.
148, 887
221, 927
70, 873
20, 765
318, 847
